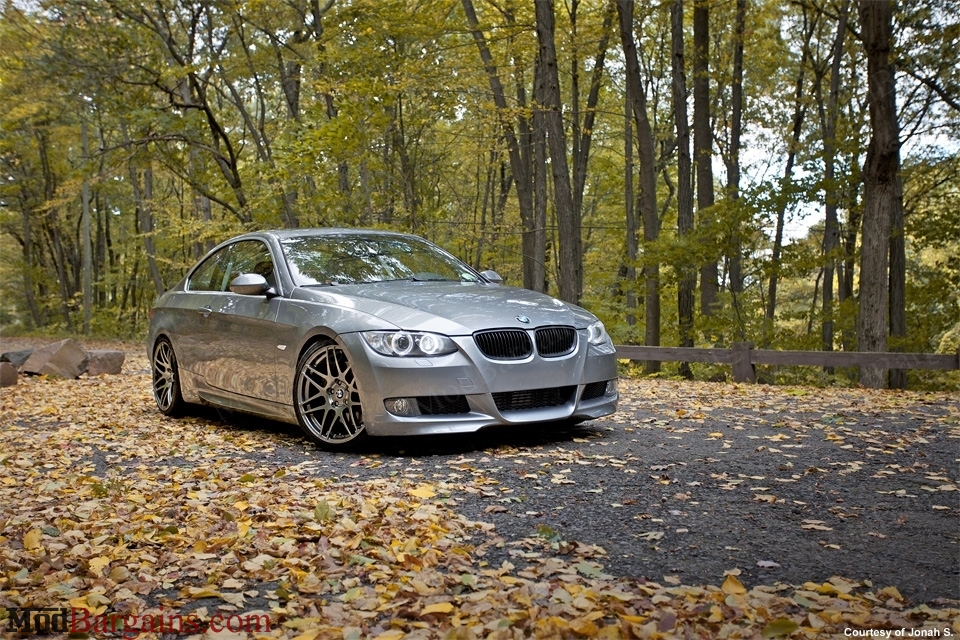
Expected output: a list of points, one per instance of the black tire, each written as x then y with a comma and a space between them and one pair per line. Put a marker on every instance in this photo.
326, 398
166, 379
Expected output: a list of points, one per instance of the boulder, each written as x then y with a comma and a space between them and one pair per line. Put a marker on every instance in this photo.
64, 359
101, 361
8, 374
16, 358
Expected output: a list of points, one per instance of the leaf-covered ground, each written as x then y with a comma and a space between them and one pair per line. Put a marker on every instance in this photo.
699, 510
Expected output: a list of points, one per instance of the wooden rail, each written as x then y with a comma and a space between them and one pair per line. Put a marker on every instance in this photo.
744, 358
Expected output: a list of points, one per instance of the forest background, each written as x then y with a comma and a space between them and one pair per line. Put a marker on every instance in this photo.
696, 172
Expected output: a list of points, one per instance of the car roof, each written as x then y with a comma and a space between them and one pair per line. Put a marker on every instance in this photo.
286, 234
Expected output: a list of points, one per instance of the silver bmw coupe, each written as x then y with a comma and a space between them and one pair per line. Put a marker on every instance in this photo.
351, 333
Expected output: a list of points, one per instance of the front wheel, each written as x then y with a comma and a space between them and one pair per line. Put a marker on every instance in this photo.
166, 379
326, 398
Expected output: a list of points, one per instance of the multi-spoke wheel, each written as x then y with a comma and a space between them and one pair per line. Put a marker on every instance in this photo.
166, 379
326, 397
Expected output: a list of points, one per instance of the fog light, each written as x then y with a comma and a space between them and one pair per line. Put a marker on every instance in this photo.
405, 407
611, 389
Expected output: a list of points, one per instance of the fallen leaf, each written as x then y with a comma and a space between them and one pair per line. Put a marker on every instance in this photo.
779, 628
423, 491
732, 586
439, 607
31, 541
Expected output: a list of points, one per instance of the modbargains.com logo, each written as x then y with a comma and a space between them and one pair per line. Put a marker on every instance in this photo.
46, 620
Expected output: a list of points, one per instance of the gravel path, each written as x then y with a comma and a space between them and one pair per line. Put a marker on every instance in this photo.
689, 480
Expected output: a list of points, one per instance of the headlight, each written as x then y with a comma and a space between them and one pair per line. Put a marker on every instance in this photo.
597, 334
409, 343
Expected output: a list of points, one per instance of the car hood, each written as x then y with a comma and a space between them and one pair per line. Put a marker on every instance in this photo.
451, 308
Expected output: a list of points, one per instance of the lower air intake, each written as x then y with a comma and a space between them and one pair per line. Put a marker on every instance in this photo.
532, 399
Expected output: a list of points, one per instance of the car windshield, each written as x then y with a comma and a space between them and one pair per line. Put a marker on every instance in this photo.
357, 259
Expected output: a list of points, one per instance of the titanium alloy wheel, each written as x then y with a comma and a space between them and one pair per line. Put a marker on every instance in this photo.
326, 397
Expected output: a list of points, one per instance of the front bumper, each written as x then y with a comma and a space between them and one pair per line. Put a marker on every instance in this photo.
564, 388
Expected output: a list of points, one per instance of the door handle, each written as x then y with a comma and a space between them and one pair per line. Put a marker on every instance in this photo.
205, 311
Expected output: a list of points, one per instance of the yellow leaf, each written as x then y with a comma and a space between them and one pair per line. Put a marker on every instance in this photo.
309, 634
98, 564
203, 592
241, 505
716, 614
424, 491
584, 627
891, 592
440, 607
78, 603
32, 539
632, 619
732, 586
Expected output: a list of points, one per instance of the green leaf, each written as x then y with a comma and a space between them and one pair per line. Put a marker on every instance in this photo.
248, 477
588, 569
779, 628
547, 533
353, 594
321, 512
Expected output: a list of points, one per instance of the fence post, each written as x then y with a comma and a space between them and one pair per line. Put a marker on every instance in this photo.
743, 369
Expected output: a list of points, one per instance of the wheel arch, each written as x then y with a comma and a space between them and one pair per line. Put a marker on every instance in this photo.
321, 335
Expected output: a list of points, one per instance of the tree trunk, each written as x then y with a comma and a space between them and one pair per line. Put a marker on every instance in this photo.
648, 179
568, 218
898, 288
882, 194
538, 270
521, 172
85, 241
733, 167
688, 276
628, 273
831, 231
703, 150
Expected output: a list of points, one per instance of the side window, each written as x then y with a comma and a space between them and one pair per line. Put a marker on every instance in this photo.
246, 256
209, 275
251, 256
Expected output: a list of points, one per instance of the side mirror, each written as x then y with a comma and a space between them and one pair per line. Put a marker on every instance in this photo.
250, 284
492, 276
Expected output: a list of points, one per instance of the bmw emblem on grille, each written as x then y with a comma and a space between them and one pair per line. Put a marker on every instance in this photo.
523, 319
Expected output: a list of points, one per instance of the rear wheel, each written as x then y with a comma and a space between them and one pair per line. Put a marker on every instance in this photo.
166, 379
326, 398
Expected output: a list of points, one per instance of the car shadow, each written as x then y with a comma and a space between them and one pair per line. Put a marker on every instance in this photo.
491, 439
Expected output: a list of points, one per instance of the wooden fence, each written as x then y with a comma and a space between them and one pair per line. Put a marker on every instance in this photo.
743, 358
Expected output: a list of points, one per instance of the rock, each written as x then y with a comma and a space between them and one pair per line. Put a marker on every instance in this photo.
16, 358
8, 374
101, 361
64, 359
